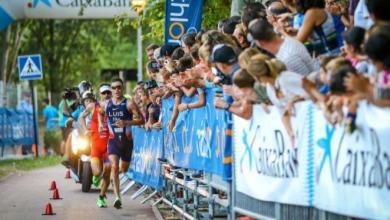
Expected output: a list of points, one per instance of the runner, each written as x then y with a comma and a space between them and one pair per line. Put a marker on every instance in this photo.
121, 115
99, 156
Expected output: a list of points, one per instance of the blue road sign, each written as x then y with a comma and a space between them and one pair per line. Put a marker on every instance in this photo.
30, 67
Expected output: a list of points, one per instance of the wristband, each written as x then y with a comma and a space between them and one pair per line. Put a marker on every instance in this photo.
226, 106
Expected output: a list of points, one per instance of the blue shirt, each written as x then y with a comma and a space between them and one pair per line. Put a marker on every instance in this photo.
229, 98
51, 116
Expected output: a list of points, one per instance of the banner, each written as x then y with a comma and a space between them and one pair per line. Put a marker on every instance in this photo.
329, 169
182, 16
352, 171
11, 10
147, 148
201, 139
267, 166
16, 127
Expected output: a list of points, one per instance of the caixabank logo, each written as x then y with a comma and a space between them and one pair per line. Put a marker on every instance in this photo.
78, 3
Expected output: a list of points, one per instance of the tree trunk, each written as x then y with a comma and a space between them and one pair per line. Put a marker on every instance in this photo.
3, 63
236, 8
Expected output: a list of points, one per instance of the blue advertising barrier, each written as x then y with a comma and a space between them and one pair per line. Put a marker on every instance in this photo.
16, 127
147, 148
184, 16
201, 138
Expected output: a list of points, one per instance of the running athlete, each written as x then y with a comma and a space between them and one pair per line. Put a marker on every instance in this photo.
121, 115
99, 156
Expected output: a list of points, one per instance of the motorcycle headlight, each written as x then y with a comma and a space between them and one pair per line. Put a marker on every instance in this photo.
81, 144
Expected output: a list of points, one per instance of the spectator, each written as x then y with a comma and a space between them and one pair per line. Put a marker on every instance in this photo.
318, 30
188, 41
150, 51
353, 41
50, 115
251, 11
225, 60
290, 51
379, 10
240, 36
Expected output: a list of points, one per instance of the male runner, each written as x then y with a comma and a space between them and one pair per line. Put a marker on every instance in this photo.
99, 155
121, 115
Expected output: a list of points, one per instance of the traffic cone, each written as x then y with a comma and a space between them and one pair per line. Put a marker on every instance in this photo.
48, 210
34, 149
67, 175
53, 185
56, 195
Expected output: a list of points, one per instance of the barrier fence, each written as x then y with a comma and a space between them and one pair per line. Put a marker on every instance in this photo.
324, 171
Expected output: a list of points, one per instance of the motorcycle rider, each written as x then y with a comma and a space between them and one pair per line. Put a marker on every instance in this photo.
99, 156
73, 112
121, 114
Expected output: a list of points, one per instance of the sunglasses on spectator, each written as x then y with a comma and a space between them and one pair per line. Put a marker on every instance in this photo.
106, 93
116, 87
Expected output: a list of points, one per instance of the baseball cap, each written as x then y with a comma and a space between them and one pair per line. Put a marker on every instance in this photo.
167, 50
104, 88
223, 53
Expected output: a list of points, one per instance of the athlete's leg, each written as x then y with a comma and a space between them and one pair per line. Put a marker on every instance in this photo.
114, 161
106, 178
96, 166
124, 166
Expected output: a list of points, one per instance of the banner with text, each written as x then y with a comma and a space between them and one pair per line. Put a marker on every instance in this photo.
327, 168
147, 148
16, 127
201, 138
182, 16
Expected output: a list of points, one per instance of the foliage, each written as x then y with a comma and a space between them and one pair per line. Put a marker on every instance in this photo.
52, 140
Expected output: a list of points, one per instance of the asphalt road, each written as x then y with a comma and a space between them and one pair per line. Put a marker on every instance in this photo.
25, 195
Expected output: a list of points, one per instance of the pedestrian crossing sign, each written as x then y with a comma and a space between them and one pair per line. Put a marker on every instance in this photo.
30, 67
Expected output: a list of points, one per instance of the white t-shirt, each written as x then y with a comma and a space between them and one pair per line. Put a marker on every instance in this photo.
295, 56
290, 84
362, 17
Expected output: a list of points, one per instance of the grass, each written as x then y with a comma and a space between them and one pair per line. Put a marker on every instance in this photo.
11, 166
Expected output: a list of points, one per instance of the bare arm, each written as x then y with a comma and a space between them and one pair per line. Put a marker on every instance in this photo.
175, 112
137, 116
102, 114
88, 110
200, 103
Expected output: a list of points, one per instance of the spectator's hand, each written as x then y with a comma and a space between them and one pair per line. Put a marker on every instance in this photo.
219, 103
148, 126
157, 125
228, 90
357, 83
182, 107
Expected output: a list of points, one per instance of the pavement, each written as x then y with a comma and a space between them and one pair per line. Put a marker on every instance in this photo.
25, 195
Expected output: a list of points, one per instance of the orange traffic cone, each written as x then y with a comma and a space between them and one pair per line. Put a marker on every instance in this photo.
34, 149
67, 175
56, 195
53, 185
48, 210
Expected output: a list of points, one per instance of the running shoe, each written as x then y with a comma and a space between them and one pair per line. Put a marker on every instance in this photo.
102, 201
96, 181
118, 203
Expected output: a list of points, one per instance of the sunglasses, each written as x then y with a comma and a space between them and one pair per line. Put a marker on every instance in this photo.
106, 93
116, 87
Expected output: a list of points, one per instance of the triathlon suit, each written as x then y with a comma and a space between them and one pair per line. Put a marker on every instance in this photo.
99, 140
120, 140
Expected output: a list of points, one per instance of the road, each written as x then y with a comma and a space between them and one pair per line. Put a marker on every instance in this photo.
25, 195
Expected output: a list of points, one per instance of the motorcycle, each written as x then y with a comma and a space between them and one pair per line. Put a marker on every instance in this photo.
80, 161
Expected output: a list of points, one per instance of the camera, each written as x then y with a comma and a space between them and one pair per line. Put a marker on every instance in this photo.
69, 94
223, 79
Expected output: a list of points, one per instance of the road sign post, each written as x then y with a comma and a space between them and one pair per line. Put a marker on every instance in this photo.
30, 68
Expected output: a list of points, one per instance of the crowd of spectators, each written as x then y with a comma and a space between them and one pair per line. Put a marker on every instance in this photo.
334, 52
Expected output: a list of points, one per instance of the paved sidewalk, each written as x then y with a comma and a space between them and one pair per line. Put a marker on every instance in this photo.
25, 195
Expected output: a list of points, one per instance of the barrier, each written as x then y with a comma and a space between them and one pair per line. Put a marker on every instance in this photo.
272, 178
326, 168
16, 127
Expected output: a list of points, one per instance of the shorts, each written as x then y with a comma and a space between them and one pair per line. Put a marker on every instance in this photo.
122, 148
99, 148
65, 132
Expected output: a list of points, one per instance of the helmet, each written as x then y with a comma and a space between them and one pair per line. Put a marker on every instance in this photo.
87, 95
85, 86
